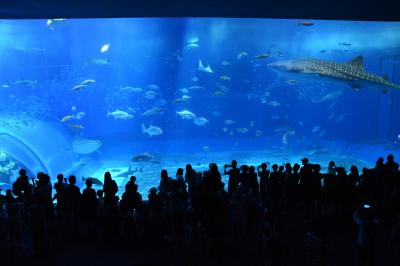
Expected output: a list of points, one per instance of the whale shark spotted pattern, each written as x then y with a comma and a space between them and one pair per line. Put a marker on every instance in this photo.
351, 73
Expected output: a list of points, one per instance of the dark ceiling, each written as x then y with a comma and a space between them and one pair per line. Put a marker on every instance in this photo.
383, 10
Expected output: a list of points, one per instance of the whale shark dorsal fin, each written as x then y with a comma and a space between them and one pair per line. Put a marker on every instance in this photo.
357, 61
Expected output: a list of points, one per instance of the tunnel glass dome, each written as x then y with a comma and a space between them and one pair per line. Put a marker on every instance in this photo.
133, 96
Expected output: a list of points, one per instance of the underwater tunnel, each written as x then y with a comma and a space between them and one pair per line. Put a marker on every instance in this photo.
38, 146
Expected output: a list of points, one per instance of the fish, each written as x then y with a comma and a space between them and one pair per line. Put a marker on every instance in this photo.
223, 88
194, 79
186, 97
300, 123
292, 82
319, 152
225, 63
241, 55
262, 56
183, 99
229, 122
143, 157
98, 61
153, 87
192, 39
85, 146
305, 23
67, 118
350, 74
274, 103
216, 113
218, 93
200, 121
155, 110
186, 114
26, 82
322, 51
192, 46
332, 105
225, 78
160, 102
118, 114
178, 101
184, 90
286, 135
132, 89
79, 87
331, 116
130, 172
340, 118
315, 129
322, 133
203, 68
345, 44
87, 82
52, 22
152, 130
73, 108
76, 126
150, 94
330, 96
258, 133
196, 87
105, 48
80, 115
95, 181
225, 129
205, 148
251, 123
242, 130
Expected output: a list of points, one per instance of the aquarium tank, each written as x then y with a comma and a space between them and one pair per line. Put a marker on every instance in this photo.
134, 96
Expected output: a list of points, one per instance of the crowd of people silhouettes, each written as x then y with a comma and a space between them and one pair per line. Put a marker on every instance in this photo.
197, 221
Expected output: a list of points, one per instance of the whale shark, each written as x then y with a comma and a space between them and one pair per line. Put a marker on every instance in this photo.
351, 73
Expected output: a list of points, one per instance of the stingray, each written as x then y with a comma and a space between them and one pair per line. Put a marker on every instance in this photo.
85, 146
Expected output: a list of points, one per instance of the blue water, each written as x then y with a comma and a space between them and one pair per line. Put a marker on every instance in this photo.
161, 57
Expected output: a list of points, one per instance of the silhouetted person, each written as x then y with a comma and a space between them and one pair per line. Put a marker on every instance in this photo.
191, 180
72, 205
59, 186
23, 189
291, 185
179, 175
89, 207
165, 184
275, 189
264, 176
132, 180
131, 201
110, 190
233, 173
43, 195
331, 168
